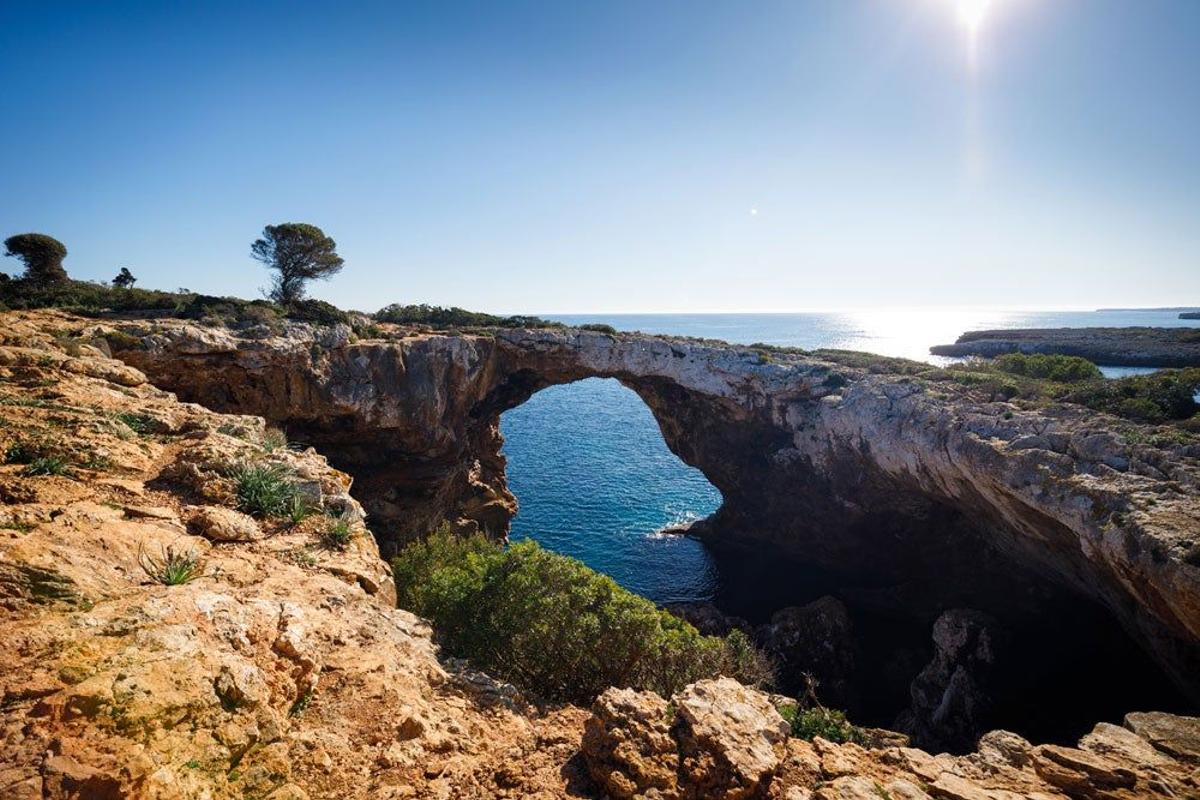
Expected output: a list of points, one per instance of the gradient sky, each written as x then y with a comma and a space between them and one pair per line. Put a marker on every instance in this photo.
610, 156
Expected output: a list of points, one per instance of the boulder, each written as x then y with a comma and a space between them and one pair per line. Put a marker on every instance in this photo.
627, 745
731, 739
716, 739
223, 524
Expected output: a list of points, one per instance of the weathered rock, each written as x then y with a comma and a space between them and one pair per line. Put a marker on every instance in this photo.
706, 617
951, 701
1174, 735
628, 746
731, 739
818, 640
858, 469
224, 524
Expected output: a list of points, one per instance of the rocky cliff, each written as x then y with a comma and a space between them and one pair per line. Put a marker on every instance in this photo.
925, 496
281, 669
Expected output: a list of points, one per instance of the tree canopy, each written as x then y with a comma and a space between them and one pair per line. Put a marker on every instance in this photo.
42, 256
298, 252
124, 279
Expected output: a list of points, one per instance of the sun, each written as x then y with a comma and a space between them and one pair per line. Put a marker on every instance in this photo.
972, 13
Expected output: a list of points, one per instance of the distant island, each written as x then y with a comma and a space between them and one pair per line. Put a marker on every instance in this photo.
1190, 315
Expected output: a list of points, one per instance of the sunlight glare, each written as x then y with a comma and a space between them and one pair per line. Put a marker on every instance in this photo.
971, 13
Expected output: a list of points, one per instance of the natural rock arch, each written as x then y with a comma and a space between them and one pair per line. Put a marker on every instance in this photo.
873, 475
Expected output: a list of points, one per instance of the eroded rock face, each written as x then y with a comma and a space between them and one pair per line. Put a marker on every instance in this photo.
952, 697
816, 640
286, 672
930, 499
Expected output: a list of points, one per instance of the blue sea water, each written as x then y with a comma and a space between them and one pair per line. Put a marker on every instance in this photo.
595, 480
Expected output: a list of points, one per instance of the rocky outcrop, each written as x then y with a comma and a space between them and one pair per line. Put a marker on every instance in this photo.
919, 494
634, 747
1117, 347
951, 697
282, 669
716, 739
815, 640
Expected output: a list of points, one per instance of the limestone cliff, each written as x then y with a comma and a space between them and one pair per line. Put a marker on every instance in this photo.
939, 498
283, 670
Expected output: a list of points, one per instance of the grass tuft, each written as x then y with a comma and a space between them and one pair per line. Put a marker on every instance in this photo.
267, 490
47, 465
337, 533
171, 567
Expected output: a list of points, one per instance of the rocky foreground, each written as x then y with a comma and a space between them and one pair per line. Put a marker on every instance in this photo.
283, 670
1115, 347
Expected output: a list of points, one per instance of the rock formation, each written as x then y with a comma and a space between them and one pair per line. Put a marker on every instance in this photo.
919, 494
282, 670
1116, 347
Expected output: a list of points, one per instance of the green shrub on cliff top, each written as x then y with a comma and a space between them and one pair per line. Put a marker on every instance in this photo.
552, 625
1064, 369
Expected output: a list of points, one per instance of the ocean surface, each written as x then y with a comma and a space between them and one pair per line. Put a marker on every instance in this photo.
595, 480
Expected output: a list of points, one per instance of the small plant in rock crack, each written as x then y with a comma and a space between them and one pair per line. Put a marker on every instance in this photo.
274, 439
172, 567
47, 465
298, 509
266, 490
141, 424
809, 719
338, 532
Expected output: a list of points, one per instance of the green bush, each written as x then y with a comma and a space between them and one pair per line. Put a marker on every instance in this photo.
266, 490
830, 724
1161, 396
84, 296
171, 567
1064, 369
317, 311
438, 317
598, 327
552, 625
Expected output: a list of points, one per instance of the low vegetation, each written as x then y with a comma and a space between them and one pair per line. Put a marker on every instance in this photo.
337, 532
554, 627
1063, 369
828, 723
1164, 396
268, 490
171, 567
441, 318
47, 465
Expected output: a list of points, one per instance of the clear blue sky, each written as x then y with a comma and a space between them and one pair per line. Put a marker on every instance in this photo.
618, 156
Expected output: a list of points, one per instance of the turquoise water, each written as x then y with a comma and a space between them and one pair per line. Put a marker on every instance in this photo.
596, 481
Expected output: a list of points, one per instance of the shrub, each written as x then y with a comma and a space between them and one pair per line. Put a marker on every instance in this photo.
274, 439
598, 327
171, 567
266, 490
830, 724
438, 317
318, 312
87, 297
550, 624
1158, 397
1064, 369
